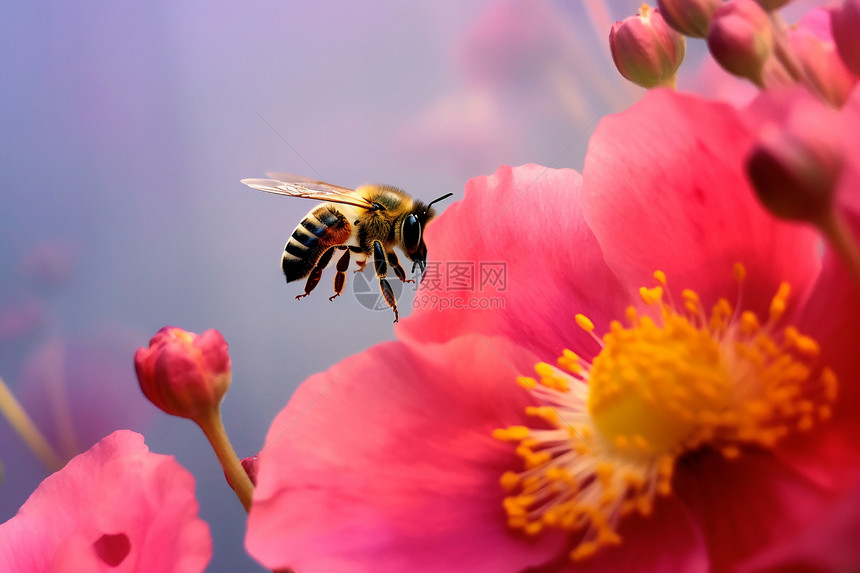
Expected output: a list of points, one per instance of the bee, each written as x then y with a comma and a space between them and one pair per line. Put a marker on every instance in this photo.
369, 221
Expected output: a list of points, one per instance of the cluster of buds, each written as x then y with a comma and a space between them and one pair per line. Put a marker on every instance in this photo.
748, 39
798, 159
738, 33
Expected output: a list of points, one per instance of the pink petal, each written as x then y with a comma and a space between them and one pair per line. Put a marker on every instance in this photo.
529, 220
744, 505
115, 489
828, 543
832, 317
831, 456
664, 188
668, 541
386, 463
849, 185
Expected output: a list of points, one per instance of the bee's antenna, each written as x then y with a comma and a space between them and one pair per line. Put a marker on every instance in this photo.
439, 199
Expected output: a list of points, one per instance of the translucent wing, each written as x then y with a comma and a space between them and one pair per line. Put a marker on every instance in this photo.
307, 182
298, 186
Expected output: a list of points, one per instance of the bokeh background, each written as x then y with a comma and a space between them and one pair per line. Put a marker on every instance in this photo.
126, 127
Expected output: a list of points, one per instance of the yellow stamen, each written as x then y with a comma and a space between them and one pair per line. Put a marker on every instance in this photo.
658, 389
584, 323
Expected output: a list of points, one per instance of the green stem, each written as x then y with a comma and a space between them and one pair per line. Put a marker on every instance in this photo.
670, 82
21, 422
213, 427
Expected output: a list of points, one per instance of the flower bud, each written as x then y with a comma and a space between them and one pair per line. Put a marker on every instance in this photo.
252, 467
689, 17
795, 168
740, 38
846, 33
645, 50
811, 42
183, 373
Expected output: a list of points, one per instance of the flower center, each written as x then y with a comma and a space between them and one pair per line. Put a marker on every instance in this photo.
670, 382
651, 384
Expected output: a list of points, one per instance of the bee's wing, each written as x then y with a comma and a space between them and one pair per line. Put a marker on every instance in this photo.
308, 189
306, 181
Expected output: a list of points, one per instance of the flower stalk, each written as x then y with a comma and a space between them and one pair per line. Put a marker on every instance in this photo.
213, 427
23, 424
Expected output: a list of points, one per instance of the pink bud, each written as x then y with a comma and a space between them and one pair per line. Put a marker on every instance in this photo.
647, 51
251, 466
689, 17
795, 167
812, 45
846, 33
183, 373
740, 38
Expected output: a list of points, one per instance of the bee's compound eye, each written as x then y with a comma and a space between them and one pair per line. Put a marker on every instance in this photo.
411, 233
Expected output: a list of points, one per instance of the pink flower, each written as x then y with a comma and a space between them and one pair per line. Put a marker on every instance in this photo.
423, 455
183, 373
116, 508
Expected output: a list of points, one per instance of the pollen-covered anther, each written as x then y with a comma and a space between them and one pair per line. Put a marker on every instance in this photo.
674, 379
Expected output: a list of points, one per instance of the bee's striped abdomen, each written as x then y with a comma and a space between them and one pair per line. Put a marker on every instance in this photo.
322, 228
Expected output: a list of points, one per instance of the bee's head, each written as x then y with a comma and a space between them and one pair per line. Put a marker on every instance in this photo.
412, 232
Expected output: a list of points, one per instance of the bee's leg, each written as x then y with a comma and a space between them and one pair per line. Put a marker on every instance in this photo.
340, 277
381, 266
361, 260
398, 270
316, 272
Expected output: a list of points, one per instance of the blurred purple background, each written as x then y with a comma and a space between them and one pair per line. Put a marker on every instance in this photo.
127, 127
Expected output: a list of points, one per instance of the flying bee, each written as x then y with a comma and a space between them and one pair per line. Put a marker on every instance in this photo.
369, 221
